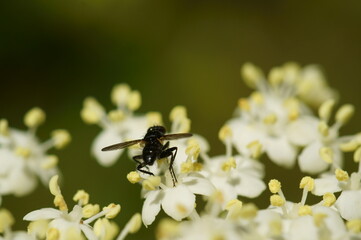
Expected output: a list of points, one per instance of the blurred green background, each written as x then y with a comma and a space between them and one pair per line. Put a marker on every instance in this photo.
53, 54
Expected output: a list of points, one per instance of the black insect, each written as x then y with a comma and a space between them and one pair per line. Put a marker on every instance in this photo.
153, 148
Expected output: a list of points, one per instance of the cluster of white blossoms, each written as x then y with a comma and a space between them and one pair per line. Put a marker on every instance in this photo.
119, 124
291, 119
62, 224
24, 159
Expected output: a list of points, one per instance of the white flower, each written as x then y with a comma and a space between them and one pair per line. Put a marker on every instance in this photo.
118, 125
179, 201
350, 198
244, 179
65, 225
24, 158
321, 142
209, 227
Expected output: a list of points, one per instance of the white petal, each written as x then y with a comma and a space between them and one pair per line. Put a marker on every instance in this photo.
19, 182
178, 202
250, 166
44, 213
243, 134
264, 219
225, 187
303, 131
250, 186
199, 185
326, 184
348, 203
303, 228
333, 221
151, 206
88, 232
105, 138
281, 152
21, 235
310, 160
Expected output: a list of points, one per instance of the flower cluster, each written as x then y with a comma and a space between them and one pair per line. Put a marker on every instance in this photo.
291, 119
24, 159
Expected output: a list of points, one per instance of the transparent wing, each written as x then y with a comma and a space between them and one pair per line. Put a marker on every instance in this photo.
176, 136
122, 145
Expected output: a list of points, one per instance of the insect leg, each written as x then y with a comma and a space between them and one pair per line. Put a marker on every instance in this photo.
170, 152
138, 157
142, 165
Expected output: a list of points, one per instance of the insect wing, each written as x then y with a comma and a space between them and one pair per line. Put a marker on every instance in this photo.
176, 136
122, 145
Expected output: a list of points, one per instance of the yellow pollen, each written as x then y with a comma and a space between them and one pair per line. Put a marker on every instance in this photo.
133, 177
274, 186
329, 199
34, 117
307, 183
257, 97
60, 203
134, 100
244, 105
52, 234
197, 166
251, 74
181, 208
61, 138
135, 223
349, 146
151, 183
345, 113
277, 200
217, 197
326, 154
325, 109
218, 236
154, 118
54, 186
275, 227
256, 149
6, 220
167, 229
186, 167
276, 76
293, 114
38, 228
270, 119
82, 197
292, 105
116, 115
50, 162
193, 149
304, 210
120, 94
4, 127
178, 112
230, 163
354, 225
225, 133
234, 209
90, 210
248, 211
357, 155
92, 111
323, 128
23, 152
113, 210
319, 219
341, 175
